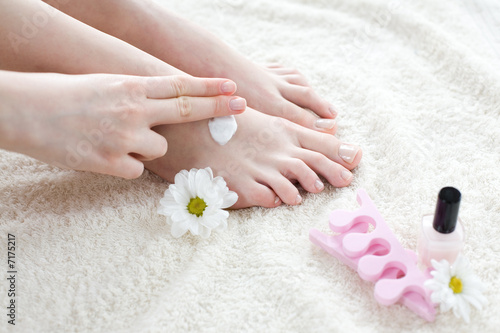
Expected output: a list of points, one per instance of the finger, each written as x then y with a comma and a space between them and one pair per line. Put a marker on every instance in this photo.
306, 97
150, 147
126, 167
179, 85
187, 109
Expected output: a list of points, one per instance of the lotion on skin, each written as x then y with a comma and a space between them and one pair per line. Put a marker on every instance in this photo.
442, 234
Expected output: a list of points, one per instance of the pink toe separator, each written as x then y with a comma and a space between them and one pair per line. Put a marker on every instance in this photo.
377, 256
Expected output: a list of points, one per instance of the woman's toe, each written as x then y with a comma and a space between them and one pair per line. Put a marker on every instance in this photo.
334, 173
350, 154
306, 97
296, 169
296, 79
256, 194
287, 192
297, 115
345, 154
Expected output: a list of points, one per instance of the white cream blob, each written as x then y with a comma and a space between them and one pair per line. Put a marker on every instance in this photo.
222, 129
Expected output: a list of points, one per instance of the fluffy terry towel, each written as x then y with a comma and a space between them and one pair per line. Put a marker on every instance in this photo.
418, 86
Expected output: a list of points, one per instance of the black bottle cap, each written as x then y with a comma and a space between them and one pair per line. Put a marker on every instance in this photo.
446, 215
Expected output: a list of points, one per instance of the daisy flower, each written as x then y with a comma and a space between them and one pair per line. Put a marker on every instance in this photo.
196, 202
456, 287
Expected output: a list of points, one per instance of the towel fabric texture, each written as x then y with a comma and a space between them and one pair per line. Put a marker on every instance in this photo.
417, 84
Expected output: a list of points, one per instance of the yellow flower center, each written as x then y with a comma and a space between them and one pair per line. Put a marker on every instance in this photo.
196, 206
456, 285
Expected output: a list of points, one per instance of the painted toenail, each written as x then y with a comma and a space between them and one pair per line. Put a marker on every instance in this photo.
238, 104
319, 185
228, 87
298, 199
348, 152
276, 200
325, 123
346, 175
333, 111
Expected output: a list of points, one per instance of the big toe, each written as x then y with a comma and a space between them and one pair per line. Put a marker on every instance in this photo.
347, 155
306, 97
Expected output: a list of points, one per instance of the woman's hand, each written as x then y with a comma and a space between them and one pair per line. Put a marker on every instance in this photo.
100, 122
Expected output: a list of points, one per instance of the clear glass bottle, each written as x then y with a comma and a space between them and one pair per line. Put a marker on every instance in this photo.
441, 234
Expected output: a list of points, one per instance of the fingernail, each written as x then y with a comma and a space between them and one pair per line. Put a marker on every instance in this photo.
346, 175
333, 111
276, 200
319, 185
325, 123
348, 152
237, 104
228, 87
298, 199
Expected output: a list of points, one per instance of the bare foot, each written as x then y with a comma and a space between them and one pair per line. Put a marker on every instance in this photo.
284, 92
263, 159
277, 91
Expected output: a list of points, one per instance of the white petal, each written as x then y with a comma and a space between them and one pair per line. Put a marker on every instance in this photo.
472, 288
213, 220
194, 225
222, 226
206, 191
445, 298
204, 231
179, 216
462, 309
445, 273
168, 220
209, 223
222, 215
163, 211
229, 199
168, 210
181, 189
185, 173
460, 266
446, 270
219, 182
182, 197
448, 301
178, 229
443, 266
446, 306
167, 193
168, 200
181, 178
475, 300
432, 284
203, 179
205, 172
210, 172
192, 182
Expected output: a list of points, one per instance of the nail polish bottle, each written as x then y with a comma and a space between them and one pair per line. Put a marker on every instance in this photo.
442, 234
